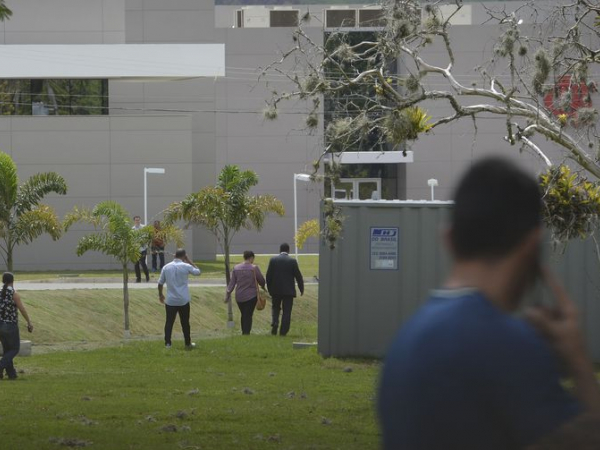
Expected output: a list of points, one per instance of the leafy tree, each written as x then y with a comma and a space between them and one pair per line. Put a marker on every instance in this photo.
22, 217
226, 208
116, 237
537, 81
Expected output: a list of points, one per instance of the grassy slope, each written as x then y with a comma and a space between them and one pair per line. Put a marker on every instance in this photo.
252, 392
97, 315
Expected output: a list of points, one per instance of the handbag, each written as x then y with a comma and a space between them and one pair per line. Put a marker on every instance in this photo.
261, 301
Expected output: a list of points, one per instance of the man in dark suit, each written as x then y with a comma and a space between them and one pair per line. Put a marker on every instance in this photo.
281, 274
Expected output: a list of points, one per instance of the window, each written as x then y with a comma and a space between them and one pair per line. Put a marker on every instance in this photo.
53, 97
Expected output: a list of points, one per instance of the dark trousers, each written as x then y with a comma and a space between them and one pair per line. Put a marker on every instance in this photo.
141, 262
160, 252
184, 318
247, 311
286, 318
11, 343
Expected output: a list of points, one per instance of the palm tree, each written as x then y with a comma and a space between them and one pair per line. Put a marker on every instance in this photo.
5, 12
22, 217
116, 237
225, 209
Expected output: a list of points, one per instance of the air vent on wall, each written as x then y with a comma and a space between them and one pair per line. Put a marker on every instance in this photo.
284, 18
252, 17
371, 17
340, 18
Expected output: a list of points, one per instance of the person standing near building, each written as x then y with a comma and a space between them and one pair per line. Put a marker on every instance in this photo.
245, 279
282, 274
158, 248
10, 303
467, 373
175, 275
143, 253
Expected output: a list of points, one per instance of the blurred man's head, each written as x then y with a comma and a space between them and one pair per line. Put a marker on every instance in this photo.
284, 248
497, 206
180, 253
497, 216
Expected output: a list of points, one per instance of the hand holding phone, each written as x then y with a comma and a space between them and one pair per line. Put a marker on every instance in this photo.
559, 323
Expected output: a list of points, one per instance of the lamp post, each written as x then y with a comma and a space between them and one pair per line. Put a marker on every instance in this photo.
297, 177
148, 170
432, 182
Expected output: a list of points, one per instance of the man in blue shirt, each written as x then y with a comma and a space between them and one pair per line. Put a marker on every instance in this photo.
464, 373
175, 275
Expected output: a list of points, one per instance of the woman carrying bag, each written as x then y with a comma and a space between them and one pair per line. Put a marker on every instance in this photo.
246, 279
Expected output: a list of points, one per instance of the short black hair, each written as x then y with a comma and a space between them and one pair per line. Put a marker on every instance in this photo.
285, 247
7, 277
179, 253
248, 254
496, 205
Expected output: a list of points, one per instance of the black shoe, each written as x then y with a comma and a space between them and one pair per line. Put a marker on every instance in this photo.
12, 375
1, 374
274, 331
138, 281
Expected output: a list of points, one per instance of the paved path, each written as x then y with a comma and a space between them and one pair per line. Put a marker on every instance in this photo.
104, 284
99, 284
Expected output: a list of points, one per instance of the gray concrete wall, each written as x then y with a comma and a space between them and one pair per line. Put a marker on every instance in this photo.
101, 158
64, 22
360, 310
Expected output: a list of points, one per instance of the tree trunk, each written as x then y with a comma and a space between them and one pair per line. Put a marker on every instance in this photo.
9, 260
227, 279
9, 254
126, 332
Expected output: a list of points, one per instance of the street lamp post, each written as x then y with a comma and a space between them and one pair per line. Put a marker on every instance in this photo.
297, 177
148, 170
432, 182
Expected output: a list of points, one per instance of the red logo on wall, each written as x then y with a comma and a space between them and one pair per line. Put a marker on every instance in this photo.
580, 96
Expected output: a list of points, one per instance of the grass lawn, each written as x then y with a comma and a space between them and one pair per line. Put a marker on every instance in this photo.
309, 265
231, 392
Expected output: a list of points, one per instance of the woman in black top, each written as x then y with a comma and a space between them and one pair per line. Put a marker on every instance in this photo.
10, 302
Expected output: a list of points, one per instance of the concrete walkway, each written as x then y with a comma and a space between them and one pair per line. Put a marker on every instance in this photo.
99, 283
105, 283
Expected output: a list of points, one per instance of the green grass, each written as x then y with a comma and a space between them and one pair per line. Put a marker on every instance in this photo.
231, 392
309, 265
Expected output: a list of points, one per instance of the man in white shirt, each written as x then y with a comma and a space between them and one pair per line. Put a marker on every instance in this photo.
175, 275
